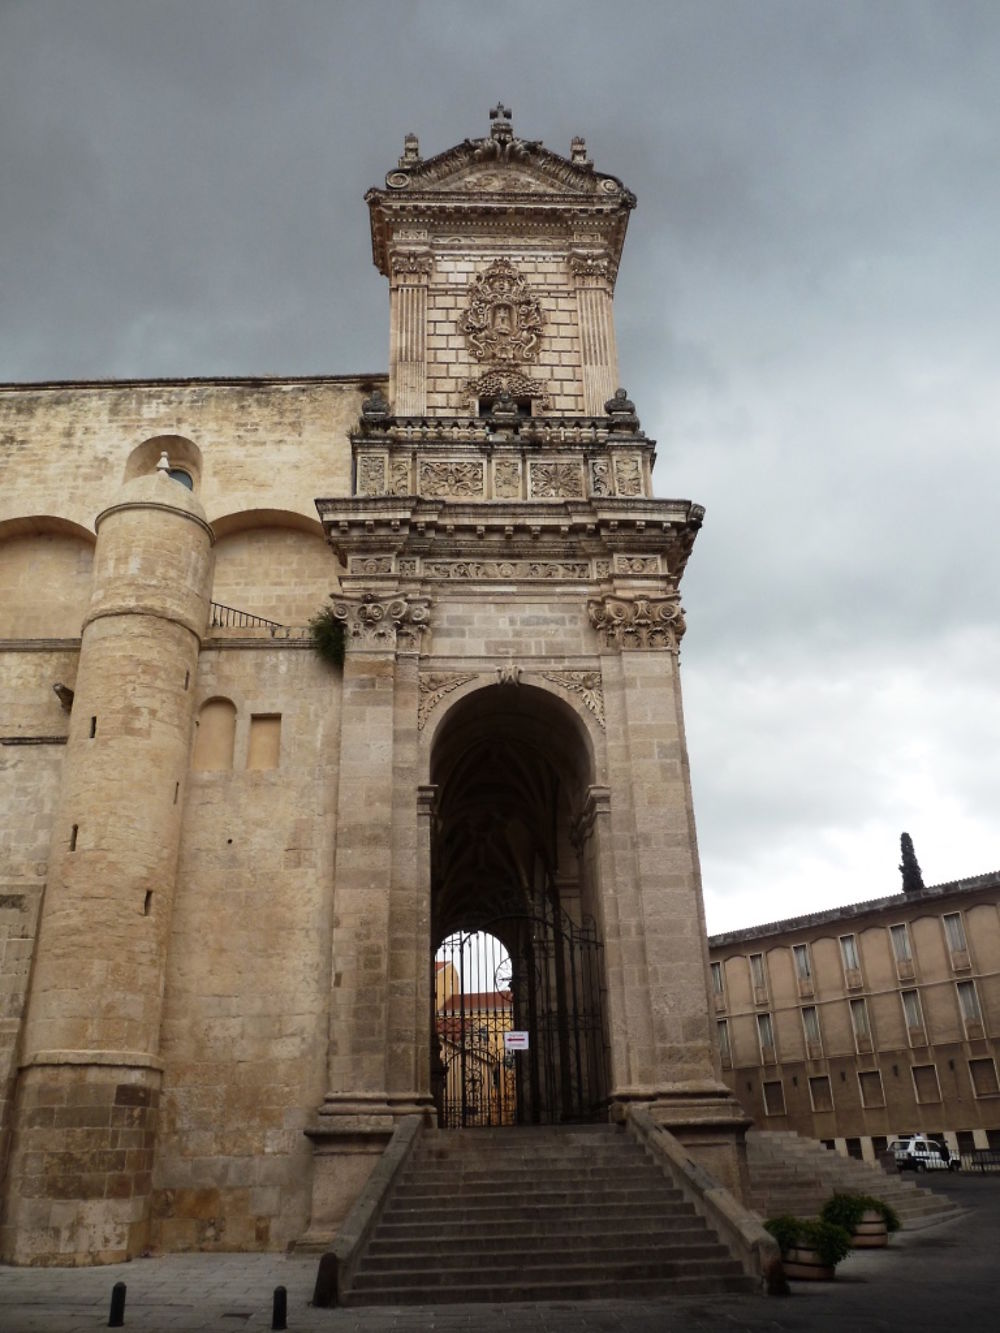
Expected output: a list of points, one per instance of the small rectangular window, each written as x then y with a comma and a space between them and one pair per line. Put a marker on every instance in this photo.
954, 929
911, 1009
872, 1092
968, 1001
765, 1033
859, 1020
810, 1024
984, 1077
802, 966
901, 943
925, 1084
717, 982
774, 1098
725, 1050
757, 973
821, 1093
849, 953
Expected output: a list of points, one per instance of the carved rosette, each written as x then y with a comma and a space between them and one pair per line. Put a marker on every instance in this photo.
587, 684
555, 480
432, 688
639, 622
386, 623
445, 478
504, 320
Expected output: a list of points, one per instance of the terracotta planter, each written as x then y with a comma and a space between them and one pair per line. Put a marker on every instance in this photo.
804, 1265
871, 1232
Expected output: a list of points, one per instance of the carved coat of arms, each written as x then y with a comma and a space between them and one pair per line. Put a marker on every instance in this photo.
504, 320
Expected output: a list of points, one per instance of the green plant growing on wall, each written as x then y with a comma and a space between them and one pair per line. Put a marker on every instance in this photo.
328, 637
846, 1210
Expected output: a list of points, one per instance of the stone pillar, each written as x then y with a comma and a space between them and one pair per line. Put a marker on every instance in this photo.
595, 276
79, 1180
373, 985
408, 333
663, 1054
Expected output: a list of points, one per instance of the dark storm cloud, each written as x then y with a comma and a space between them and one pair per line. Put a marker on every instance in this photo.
806, 310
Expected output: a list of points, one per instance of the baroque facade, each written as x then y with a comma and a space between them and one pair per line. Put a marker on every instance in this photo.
861, 1023
228, 864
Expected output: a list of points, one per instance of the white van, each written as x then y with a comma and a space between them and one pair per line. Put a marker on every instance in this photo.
914, 1152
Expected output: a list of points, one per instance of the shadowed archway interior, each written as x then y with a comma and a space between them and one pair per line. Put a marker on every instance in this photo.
512, 765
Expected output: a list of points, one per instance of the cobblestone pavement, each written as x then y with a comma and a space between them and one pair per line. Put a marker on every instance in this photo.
925, 1282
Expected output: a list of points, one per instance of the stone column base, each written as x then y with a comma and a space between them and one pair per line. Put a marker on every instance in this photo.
707, 1119
349, 1135
79, 1179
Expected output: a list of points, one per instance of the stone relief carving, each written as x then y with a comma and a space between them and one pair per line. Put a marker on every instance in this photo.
509, 674
506, 569
594, 266
432, 688
602, 568
376, 407
371, 474
600, 476
399, 476
371, 564
556, 480
408, 568
406, 264
507, 479
514, 382
628, 476
371, 622
637, 564
639, 622
444, 478
587, 684
504, 320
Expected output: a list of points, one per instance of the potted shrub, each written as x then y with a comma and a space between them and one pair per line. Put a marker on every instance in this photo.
869, 1220
809, 1250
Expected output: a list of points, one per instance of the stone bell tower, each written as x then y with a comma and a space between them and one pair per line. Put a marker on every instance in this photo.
512, 619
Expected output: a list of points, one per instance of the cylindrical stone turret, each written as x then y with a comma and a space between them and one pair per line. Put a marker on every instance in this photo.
80, 1171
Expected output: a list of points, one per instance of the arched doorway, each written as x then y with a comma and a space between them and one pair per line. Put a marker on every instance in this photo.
518, 1029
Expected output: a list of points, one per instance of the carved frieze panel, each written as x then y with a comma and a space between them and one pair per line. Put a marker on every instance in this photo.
373, 622
370, 564
433, 686
587, 684
495, 382
628, 476
399, 477
448, 478
638, 622
637, 564
504, 320
600, 476
408, 567
371, 474
505, 570
555, 480
507, 479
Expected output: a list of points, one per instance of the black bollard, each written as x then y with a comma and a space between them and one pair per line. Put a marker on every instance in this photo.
116, 1315
325, 1293
279, 1310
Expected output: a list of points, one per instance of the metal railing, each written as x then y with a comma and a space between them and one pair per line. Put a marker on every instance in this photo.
228, 617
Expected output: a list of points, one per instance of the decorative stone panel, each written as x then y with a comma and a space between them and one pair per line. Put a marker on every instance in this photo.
459, 478
555, 480
638, 622
371, 622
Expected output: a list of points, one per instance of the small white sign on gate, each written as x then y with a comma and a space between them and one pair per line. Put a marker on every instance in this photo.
515, 1041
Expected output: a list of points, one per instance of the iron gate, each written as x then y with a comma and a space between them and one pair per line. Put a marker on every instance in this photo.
537, 973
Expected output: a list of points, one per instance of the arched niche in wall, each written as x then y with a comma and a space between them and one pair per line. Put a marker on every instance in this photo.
215, 736
183, 454
45, 573
273, 563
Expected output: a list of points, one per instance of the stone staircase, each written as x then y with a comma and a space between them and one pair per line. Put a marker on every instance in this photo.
535, 1214
791, 1174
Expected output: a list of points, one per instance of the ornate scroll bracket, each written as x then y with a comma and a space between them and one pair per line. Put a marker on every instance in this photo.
587, 684
639, 622
386, 623
598, 802
433, 686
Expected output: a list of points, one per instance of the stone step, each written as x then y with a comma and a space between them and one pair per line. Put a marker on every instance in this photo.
570, 1225
553, 1214
529, 1260
594, 1289
428, 1239
538, 1192
505, 1275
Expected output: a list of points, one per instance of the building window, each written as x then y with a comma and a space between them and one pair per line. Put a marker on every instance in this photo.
968, 1003
179, 474
954, 930
914, 1016
765, 1034
802, 968
774, 1098
861, 1025
758, 978
901, 950
849, 953
984, 1077
725, 1050
925, 1084
821, 1093
717, 984
810, 1025
872, 1092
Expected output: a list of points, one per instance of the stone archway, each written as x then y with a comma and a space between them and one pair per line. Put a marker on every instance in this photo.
512, 767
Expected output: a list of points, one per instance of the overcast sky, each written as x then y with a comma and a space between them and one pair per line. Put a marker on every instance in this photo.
807, 313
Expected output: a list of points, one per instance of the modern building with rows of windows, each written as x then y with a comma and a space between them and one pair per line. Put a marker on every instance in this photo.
864, 1022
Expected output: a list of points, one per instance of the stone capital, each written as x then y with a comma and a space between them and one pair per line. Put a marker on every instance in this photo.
379, 623
638, 622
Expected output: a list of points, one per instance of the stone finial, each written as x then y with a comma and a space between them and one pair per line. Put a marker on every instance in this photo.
376, 407
620, 405
500, 121
505, 405
164, 464
913, 880
578, 151
411, 152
